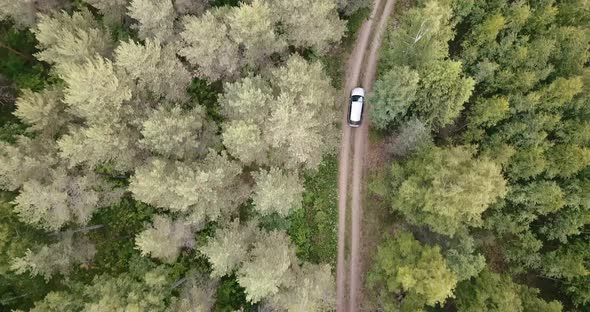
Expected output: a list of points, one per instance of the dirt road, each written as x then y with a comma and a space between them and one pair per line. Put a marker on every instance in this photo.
374, 27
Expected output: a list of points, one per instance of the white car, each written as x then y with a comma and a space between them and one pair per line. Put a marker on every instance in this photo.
355, 110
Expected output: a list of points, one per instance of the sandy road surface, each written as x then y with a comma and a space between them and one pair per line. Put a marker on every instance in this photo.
354, 70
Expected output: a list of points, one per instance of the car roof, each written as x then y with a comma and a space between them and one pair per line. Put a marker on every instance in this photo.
358, 91
356, 110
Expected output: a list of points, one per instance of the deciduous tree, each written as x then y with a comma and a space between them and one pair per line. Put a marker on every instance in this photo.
443, 91
446, 189
407, 275
500, 293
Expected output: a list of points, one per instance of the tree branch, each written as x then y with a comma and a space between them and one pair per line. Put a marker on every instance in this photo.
27, 57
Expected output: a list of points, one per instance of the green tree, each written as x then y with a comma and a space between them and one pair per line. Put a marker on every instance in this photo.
57, 301
568, 261
408, 275
421, 37
462, 259
446, 189
442, 93
496, 292
392, 95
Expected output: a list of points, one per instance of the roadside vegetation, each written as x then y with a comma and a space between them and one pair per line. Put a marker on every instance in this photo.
170, 155
482, 107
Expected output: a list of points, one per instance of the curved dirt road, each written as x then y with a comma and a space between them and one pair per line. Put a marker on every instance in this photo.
355, 67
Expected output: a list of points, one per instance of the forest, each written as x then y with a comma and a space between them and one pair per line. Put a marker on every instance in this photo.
483, 112
153, 155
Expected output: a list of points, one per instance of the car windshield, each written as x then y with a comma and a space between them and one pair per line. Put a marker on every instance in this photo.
357, 98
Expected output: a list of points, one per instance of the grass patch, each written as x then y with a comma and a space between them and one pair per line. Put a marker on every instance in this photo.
313, 228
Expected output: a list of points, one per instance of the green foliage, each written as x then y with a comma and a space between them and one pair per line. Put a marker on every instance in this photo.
392, 96
568, 262
21, 69
496, 292
230, 295
446, 189
407, 275
15, 238
421, 37
313, 227
115, 246
442, 93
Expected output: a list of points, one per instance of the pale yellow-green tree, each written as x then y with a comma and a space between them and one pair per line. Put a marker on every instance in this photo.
61, 197
311, 289
57, 258
277, 191
155, 69
65, 38
155, 18
301, 20
24, 13
228, 248
43, 112
207, 46
112, 11
267, 266
273, 108
202, 190
252, 26
198, 294
28, 159
176, 133
165, 238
